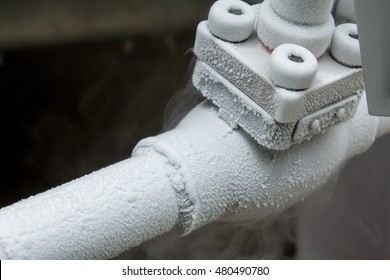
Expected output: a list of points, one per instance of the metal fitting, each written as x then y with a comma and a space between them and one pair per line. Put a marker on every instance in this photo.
307, 23
256, 90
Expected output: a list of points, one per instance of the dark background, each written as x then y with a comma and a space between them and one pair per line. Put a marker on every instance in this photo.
77, 95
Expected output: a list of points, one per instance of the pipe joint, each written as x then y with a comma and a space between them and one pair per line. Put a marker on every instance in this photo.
178, 175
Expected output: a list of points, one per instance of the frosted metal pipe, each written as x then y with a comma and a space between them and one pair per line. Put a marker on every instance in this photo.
202, 171
94, 217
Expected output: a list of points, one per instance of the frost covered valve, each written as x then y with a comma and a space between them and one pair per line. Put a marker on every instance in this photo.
231, 20
280, 97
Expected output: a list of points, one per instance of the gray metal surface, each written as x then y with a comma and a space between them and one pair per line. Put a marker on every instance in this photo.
374, 37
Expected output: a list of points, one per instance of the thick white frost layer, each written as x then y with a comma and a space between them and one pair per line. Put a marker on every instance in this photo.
273, 30
309, 12
200, 172
94, 217
236, 179
345, 45
231, 20
293, 67
246, 66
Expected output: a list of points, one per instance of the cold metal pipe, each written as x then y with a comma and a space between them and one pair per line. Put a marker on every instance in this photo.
202, 171
94, 217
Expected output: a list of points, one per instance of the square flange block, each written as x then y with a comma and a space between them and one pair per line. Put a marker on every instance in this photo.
246, 66
238, 110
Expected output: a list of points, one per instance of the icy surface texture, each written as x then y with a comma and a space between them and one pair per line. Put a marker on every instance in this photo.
305, 28
97, 216
242, 71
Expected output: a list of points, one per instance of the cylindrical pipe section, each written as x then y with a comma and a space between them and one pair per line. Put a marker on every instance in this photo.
202, 171
310, 12
95, 217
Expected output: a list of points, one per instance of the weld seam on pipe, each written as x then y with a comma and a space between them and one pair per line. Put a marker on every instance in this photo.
233, 178
181, 181
200, 172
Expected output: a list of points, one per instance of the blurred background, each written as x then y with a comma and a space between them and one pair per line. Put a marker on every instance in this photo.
81, 82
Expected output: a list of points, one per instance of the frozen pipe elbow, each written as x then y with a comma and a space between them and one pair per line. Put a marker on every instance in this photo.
232, 178
202, 171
